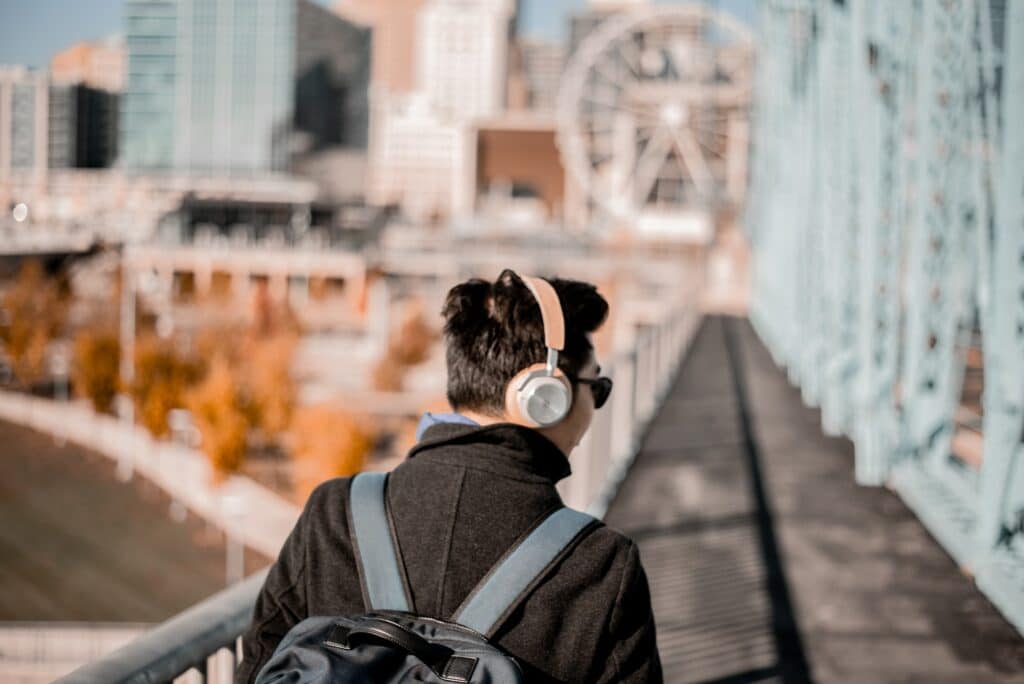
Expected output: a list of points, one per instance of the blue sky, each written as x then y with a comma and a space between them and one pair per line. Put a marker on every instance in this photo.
549, 19
31, 31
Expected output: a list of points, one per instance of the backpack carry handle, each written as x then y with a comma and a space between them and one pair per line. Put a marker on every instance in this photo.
375, 629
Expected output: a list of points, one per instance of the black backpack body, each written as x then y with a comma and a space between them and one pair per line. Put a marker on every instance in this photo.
390, 643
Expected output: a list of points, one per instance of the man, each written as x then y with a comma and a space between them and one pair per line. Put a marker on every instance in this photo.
474, 485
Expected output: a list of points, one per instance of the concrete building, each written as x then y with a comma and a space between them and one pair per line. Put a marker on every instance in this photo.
97, 64
395, 38
24, 120
96, 125
115, 206
44, 125
241, 86
542, 64
62, 126
422, 151
421, 162
463, 56
518, 164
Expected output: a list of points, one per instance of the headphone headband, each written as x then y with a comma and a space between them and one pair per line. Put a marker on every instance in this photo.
550, 311
539, 395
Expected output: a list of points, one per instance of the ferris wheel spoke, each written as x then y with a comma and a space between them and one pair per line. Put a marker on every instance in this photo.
613, 105
601, 68
696, 165
718, 154
650, 162
603, 114
630, 54
645, 132
710, 132
709, 127
594, 129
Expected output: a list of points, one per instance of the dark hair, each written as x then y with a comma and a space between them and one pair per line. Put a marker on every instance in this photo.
494, 330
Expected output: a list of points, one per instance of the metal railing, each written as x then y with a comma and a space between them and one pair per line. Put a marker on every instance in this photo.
204, 642
642, 376
197, 639
885, 223
34, 651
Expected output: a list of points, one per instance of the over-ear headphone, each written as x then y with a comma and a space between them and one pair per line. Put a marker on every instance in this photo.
540, 395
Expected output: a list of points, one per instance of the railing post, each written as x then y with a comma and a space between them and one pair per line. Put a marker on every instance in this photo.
622, 404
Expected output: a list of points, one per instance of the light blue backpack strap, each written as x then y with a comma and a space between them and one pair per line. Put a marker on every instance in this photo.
508, 582
380, 570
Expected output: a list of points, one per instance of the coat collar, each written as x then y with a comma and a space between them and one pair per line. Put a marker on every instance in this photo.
503, 448
428, 419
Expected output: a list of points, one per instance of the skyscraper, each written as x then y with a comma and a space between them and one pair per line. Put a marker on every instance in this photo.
463, 56
86, 82
96, 64
240, 86
44, 125
24, 117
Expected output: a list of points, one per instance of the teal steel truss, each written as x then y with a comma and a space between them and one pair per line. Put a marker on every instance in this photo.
886, 219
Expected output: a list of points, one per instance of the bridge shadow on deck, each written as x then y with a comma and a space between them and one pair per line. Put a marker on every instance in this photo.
695, 504
768, 563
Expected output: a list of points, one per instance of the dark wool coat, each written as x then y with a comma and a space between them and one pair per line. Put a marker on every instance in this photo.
461, 499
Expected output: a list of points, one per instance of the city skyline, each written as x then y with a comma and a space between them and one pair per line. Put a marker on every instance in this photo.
30, 34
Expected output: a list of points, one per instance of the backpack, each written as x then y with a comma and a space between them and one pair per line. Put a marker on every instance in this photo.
390, 642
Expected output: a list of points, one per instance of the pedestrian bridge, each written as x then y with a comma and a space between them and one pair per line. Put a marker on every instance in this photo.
833, 490
767, 561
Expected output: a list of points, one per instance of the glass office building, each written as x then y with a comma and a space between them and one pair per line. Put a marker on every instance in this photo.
240, 86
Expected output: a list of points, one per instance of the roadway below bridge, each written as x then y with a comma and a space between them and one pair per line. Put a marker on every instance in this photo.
768, 563
77, 545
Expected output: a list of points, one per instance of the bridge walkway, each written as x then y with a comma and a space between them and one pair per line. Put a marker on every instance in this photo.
768, 563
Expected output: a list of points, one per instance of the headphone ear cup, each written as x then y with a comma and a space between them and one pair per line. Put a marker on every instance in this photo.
512, 400
542, 400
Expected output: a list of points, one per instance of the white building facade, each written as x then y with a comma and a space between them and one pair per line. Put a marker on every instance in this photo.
421, 162
463, 56
422, 146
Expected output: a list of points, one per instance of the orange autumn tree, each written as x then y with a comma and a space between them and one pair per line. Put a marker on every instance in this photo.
409, 346
217, 409
326, 443
269, 384
95, 367
162, 377
34, 309
387, 376
267, 354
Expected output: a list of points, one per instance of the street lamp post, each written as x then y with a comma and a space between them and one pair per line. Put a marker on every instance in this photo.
183, 433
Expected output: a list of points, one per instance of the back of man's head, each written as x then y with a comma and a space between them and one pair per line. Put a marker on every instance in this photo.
494, 330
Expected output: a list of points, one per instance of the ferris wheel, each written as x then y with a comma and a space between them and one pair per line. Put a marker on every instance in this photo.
647, 108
